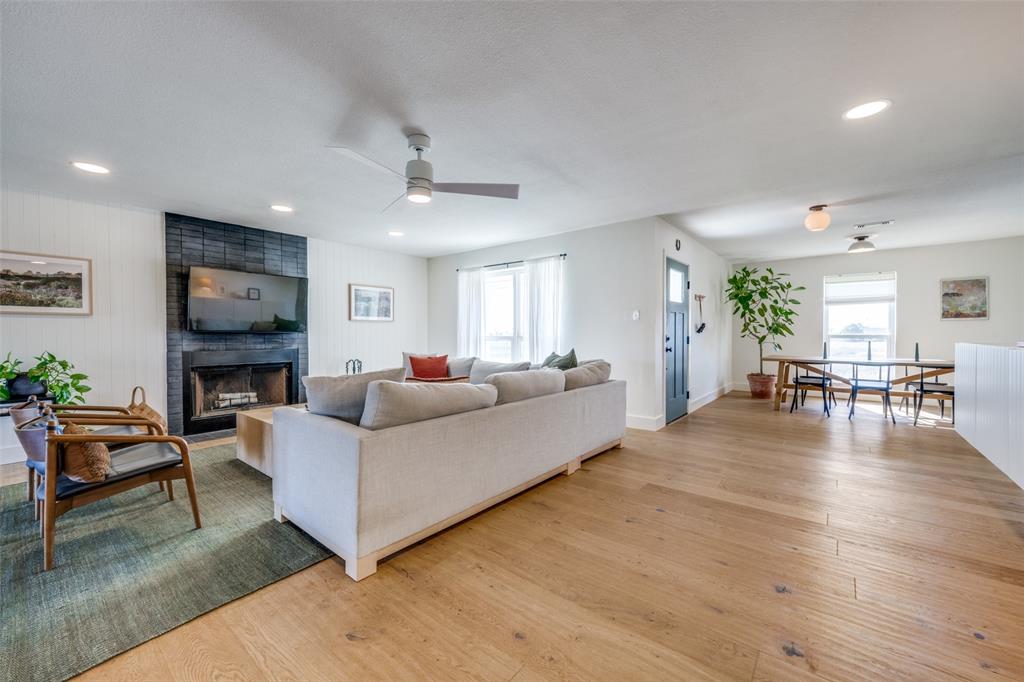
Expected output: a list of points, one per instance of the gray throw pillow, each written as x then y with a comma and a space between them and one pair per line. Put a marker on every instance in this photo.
460, 367
392, 404
515, 386
483, 369
343, 397
594, 372
407, 364
567, 361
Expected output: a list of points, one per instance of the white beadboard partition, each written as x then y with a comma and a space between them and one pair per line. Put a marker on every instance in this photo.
333, 338
123, 342
990, 404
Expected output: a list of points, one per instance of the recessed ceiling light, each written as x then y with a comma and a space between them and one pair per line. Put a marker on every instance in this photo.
395, 233
37, 262
90, 167
281, 208
867, 109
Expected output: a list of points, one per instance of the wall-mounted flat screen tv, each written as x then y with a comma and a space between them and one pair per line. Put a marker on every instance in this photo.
228, 301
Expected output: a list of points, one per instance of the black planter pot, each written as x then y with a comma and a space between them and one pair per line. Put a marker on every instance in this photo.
21, 387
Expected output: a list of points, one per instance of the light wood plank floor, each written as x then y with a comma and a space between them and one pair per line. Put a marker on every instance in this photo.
736, 544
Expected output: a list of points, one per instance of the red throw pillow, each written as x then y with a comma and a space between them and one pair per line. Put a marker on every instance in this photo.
429, 368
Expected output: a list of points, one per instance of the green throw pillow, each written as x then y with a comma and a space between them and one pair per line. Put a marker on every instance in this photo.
284, 325
556, 361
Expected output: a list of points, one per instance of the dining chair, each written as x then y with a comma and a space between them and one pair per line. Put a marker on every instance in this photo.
818, 382
144, 458
880, 386
931, 389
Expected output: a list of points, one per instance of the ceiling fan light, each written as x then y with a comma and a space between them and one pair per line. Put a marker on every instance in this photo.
418, 195
861, 246
818, 219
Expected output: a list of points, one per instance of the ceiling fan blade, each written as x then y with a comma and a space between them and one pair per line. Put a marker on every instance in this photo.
366, 160
482, 189
397, 199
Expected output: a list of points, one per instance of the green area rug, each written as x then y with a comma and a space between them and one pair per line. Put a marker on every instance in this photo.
133, 566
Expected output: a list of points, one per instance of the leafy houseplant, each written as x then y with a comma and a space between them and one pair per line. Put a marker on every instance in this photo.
765, 307
60, 378
9, 371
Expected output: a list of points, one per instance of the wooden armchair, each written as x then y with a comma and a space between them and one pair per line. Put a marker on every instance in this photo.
144, 458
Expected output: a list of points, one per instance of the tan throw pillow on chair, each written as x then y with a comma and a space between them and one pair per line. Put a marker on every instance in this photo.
85, 462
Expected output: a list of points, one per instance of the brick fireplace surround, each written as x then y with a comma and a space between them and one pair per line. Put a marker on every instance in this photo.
195, 241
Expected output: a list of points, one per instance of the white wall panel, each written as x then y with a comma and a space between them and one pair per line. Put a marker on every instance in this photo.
333, 338
122, 343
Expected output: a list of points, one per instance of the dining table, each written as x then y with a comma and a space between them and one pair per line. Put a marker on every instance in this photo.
928, 368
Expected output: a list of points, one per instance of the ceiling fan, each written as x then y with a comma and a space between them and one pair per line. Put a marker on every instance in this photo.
419, 176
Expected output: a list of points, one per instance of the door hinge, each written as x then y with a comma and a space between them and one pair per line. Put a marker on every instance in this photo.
687, 338
687, 395
687, 285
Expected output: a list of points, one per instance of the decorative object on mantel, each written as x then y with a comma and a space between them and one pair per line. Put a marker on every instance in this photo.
370, 303
354, 366
766, 313
38, 284
700, 307
964, 298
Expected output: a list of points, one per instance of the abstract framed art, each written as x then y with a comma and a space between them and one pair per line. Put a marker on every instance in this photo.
964, 298
39, 284
370, 303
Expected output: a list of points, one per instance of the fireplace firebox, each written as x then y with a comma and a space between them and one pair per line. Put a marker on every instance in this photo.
220, 383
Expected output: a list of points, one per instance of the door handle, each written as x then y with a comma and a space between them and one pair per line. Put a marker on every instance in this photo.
668, 350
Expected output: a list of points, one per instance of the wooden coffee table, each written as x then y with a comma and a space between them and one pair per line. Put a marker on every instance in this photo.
254, 433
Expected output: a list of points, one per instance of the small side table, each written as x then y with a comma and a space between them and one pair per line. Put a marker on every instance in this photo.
254, 442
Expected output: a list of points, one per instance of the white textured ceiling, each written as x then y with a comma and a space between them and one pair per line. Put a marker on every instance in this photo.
723, 117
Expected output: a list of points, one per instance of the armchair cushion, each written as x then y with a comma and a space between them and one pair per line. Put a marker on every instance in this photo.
124, 463
84, 462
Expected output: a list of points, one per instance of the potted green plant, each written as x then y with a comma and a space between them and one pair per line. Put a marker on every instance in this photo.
764, 304
59, 378
10, 368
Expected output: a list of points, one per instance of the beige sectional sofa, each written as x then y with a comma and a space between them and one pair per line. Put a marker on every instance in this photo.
366, 494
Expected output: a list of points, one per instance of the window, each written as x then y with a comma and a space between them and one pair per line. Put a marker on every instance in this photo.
860, 312
510, 313
504, 314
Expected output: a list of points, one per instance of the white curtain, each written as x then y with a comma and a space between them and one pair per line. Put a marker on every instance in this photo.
470, 341
544, 309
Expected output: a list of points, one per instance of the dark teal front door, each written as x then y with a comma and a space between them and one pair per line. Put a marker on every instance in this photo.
677, 285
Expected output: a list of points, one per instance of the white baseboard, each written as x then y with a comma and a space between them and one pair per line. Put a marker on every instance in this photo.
635, 421
706, 399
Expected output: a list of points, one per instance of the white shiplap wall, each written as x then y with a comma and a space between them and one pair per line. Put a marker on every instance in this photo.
333, 339
123, 343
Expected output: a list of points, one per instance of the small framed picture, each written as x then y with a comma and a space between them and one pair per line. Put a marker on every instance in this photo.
254, 294
964, 298
37, 284
371, 304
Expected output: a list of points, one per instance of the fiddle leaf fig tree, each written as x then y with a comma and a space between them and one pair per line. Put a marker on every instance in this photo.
765, 307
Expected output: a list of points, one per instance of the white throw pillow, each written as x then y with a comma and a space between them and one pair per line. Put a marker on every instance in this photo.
594, 372
393, 404
483, 369
343, 397
515, 386
460, 367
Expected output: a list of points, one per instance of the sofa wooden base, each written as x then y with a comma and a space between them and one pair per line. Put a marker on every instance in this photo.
358, 568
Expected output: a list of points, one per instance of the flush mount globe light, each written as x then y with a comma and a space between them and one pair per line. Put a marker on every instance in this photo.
818, 219
90, 167
861, 243
867, 109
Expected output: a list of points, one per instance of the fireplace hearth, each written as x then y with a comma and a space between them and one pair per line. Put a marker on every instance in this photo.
218, 384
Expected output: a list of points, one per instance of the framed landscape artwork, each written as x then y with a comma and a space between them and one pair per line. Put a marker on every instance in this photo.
37, 284
964, 298
371, 304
